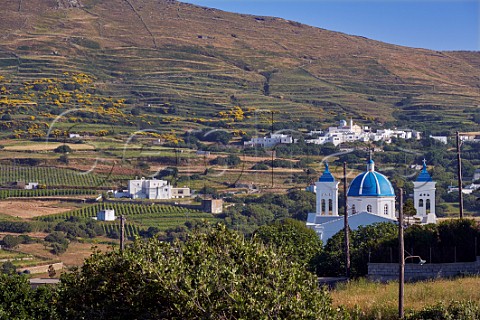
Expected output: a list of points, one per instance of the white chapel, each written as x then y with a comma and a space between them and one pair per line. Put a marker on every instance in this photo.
371, 199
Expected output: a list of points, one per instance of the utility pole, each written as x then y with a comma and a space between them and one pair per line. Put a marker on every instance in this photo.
459, 174
122, 232
273, 149
401, 259
345, 223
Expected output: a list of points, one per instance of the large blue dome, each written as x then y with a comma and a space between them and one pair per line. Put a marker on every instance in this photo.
370, 184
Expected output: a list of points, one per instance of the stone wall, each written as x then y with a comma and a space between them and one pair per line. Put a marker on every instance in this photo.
43, 268
389, 271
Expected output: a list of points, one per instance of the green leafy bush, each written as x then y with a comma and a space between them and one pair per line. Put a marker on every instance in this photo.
213, 275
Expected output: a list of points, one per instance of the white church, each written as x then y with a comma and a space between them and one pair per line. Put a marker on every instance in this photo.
370, 199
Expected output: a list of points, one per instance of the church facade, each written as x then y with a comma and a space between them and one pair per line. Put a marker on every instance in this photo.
371, 199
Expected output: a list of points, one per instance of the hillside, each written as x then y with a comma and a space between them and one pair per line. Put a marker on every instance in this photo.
203, 61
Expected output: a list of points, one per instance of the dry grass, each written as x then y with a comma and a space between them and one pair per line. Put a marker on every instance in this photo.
44, 146
29, 209
372, 296
75, 255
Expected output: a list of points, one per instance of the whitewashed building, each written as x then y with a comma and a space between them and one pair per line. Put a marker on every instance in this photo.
149, 189
106, 215
442, 139
31, 186
155, 189
269, 141
352, 132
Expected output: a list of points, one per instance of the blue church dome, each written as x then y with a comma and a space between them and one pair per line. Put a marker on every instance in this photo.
424, 176
326, 176
370, 184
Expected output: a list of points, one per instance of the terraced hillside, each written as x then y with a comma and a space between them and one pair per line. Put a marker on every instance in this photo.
203, 61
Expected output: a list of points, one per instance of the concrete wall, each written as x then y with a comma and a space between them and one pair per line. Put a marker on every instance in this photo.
389, 271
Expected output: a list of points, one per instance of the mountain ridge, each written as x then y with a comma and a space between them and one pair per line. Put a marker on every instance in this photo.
149, 50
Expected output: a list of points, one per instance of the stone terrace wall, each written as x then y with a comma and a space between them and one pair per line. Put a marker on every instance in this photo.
389, 271
43, 268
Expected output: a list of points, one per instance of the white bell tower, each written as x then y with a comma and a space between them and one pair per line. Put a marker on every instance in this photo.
327, 194
424, 196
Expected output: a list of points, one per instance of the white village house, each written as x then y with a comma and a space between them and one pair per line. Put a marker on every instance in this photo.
270, 141
352, 132
155, 189
371, 199
106, 215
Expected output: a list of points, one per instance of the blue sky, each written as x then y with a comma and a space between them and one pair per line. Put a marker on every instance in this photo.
431, 24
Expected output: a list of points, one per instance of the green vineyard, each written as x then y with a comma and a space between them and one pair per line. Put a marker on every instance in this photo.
138, 216
49, 176
131, 230
14, 193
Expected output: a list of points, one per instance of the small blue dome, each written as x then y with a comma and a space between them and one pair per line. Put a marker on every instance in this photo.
370, 184
326, 176
424, 176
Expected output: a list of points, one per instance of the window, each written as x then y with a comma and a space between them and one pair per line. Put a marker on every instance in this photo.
385, 209
323, 207
369, 208
330, 206
353, 209
427, 206
420, 203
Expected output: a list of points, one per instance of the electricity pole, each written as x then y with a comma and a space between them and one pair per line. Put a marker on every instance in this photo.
122, 232
401, 259
345, 223
459, 174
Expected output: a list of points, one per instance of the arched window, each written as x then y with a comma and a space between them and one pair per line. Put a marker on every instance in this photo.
330, 207
353, 209
369, 208
385, 209
323, 207
420, 203
427, 206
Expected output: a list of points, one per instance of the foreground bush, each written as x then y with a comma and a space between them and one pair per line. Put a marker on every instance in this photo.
19, 301
215, 275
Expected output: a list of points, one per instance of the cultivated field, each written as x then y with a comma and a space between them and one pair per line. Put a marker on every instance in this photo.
29, 209
45, 146
74, 256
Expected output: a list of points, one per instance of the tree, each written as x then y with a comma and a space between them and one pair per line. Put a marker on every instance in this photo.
51, 271
64, 159
63, 149
364, 242
409, 208
8, 268
58, 242
299, 242
19, 301
213, 275
10, 241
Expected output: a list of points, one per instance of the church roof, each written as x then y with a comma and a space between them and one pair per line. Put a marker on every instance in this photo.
424, 176
326, 176
370, 184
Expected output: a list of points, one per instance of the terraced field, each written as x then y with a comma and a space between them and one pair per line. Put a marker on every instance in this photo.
181, 65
